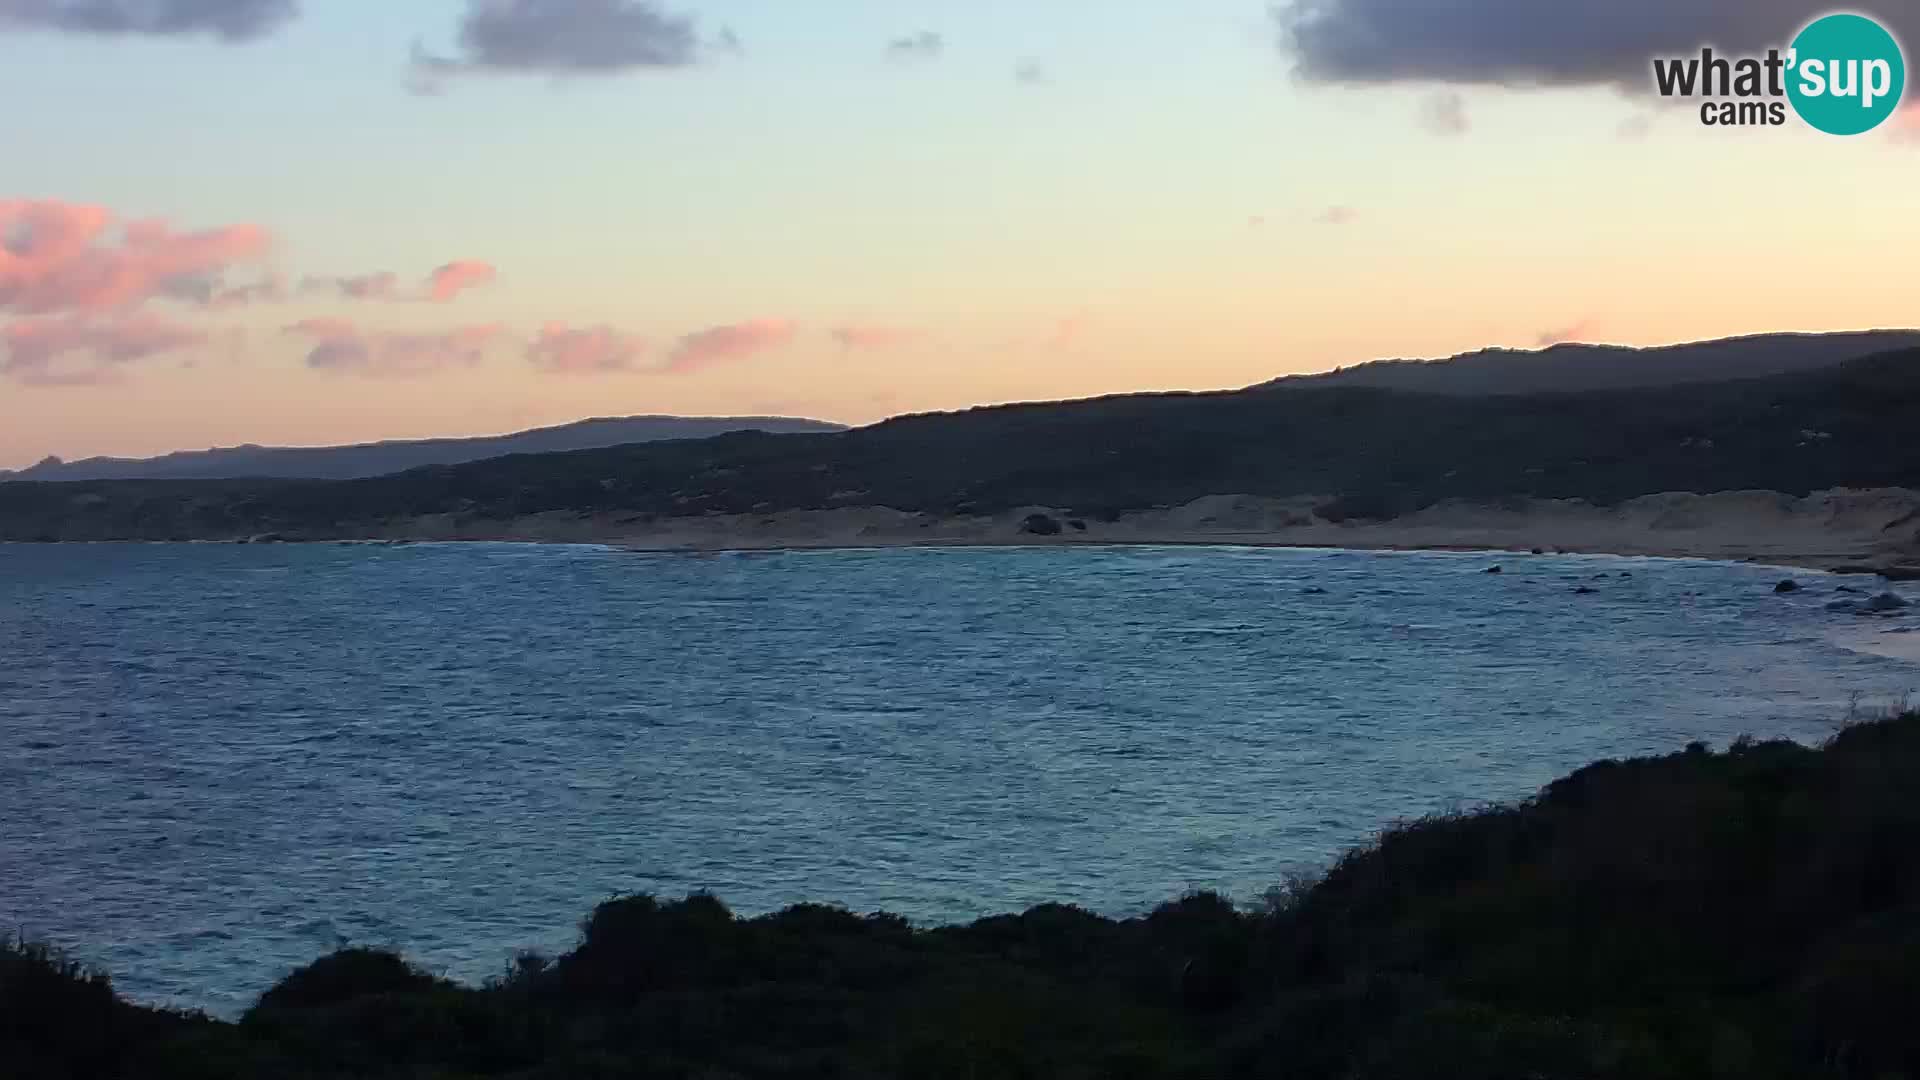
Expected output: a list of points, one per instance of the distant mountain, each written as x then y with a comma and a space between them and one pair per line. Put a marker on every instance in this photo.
1611, 367
1375, 453
378, 459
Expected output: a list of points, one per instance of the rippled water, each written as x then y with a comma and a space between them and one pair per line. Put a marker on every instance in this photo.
222, 761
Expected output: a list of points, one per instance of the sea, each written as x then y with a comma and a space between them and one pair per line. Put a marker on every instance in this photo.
218, 762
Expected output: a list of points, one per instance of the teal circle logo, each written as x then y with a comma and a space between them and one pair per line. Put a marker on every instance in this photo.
1845, 74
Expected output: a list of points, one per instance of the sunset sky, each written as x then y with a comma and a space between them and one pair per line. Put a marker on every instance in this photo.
287, 222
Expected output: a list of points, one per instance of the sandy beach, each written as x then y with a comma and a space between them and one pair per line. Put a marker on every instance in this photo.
1877, 529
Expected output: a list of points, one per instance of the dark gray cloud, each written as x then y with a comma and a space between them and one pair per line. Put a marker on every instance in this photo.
924, 45
231, 20
564, 37
1539, 42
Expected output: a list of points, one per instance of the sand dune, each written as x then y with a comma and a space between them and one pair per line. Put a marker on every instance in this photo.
1879, 528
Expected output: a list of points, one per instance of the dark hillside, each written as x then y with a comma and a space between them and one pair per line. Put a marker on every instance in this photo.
1571, 367
1847, 426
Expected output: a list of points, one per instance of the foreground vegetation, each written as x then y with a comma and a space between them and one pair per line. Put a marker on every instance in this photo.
1753, 913
1383, 452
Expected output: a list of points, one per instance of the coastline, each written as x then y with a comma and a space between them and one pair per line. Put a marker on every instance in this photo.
1847, 531
1857, 531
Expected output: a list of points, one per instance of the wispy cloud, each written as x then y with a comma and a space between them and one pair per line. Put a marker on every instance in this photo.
228, 20
1579, 331
1031, 73
720, 344
1445, 113
270, 289
37, 349
1905, 124
340, 347
1635, 127
324, 328
1337, 215
924, 45
443, 284
380, 286
873, 336
590, 350
1067, 332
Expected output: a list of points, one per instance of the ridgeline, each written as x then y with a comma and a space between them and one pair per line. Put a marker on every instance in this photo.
1750, 914
1379, 453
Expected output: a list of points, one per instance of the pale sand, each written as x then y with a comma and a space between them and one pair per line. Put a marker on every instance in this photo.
1895, 643
1825, 530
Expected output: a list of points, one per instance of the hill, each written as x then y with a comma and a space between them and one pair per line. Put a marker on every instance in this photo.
1573, 367
375, 459
1380, 452
1752, 914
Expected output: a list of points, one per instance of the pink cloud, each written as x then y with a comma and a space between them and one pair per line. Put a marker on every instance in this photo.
35, 347
1562, 335
1067, 332
1906, 124
589, 350
1337, 215
58, 257
342, 348
324, 328
859, 336
723, 343
443, 284
448, 281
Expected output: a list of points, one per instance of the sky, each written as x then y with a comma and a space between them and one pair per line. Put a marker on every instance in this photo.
301, 222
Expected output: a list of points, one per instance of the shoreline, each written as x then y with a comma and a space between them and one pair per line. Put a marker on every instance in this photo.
1840, 531
1813, 563
1843, 531
1805, 563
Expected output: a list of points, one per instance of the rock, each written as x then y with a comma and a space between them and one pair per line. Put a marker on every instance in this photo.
1901, 573
1887, 601
1313, 591
1040, 525
1493, 570
1585, 590
1539, 551
1076, 525
1787, 586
